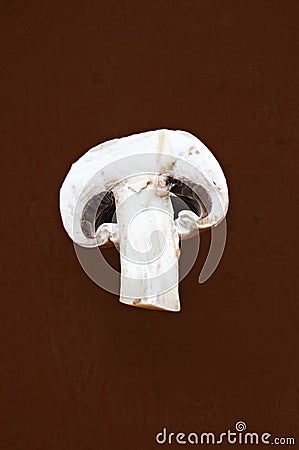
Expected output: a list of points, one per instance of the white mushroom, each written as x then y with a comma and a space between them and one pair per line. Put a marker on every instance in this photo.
127, 191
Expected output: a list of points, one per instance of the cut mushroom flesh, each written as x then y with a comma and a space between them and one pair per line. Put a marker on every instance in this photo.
144, 193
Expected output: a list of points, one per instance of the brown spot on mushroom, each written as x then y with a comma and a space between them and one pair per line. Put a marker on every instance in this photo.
190, 151
162, 189
149, 306
135, 302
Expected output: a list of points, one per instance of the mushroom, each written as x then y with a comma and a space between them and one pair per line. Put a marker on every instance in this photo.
144, 193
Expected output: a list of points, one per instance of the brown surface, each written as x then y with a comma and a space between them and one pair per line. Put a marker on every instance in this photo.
79, 370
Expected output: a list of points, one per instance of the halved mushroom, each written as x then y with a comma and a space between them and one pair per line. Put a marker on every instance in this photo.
144, 193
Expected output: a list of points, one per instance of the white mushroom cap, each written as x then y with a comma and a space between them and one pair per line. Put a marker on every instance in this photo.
172, 153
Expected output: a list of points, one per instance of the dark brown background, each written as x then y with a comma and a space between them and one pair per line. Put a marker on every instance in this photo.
78, 369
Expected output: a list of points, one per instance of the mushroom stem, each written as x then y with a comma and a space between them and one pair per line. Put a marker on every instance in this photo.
148, 243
